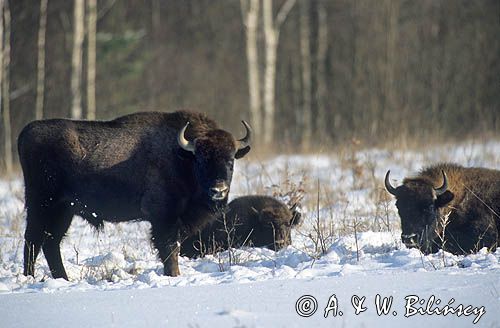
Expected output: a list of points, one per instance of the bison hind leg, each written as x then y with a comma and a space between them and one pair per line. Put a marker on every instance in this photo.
33, 240
55, 230
31, 250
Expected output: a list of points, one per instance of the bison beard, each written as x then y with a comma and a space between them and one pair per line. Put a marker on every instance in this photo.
145, 166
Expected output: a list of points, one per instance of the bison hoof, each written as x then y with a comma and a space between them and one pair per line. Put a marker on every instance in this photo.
171, 271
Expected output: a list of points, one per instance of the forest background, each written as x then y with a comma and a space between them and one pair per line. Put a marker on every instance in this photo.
308, 75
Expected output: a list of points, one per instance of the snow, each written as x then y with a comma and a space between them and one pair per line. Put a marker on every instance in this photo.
258, 304
116, 278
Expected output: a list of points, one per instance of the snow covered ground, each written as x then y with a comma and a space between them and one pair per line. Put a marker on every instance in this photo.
115, 277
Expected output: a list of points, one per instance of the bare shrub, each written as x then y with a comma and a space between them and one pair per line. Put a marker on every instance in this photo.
230, 257
288, 191
382, 215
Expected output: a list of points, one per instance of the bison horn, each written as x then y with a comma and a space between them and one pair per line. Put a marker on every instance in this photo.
444, 187
247, 139
183, 142
388, 185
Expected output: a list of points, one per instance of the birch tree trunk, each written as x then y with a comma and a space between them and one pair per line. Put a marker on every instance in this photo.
305, 55
76, 61
270, 69
392, 39
156, 58
434, 9
322, 48
271, 35
5, 78
250, 12
1, 55
40, 76
91, 58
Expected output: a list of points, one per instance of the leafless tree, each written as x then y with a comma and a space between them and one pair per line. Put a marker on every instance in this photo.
305, 54
5, 118
250, 13
321, 55
91, 57
436, 60
5, 79
391, 54
156, 57
40, 83
272, 26
76, 61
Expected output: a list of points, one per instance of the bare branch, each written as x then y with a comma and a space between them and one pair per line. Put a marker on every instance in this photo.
283, 13
105, 9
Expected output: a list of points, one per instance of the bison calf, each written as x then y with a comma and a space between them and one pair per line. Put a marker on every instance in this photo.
260, 221
171, 169
449, 207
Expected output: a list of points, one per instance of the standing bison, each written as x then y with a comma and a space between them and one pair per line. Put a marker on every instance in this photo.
450, 207
260, 221
171, 169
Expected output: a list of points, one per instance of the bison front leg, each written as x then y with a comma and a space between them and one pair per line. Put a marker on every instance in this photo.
162, 209
55, 232
168, 247
171, 263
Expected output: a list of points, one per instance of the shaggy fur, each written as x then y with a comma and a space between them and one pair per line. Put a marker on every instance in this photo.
260, 221
471, 204
130, 168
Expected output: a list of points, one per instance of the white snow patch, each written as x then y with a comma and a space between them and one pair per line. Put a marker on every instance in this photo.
116, 278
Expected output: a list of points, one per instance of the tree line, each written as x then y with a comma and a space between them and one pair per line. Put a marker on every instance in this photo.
306, 73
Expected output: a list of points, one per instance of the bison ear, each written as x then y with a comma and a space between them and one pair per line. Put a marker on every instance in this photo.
242, 152
444, 199
296, 210
296, 218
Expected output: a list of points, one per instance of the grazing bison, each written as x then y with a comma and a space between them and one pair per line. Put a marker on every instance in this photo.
450, 207
171, 169
260, 221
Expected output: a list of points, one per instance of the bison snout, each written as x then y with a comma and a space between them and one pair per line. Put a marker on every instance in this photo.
409, 240
219, 191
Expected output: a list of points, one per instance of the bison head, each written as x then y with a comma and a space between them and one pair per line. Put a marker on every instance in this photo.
214, 153
419, 204
274, 226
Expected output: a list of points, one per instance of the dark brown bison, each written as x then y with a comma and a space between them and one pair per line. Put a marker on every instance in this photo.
449, 207
260, 221
171, 169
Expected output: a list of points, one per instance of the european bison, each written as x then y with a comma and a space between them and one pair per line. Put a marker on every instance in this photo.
171, 169
260, 221
450, 207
